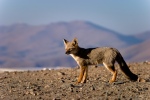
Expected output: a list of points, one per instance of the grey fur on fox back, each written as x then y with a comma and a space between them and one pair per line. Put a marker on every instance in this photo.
94, 56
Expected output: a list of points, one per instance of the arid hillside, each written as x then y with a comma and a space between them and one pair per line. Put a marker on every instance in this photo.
23, 45
138, 52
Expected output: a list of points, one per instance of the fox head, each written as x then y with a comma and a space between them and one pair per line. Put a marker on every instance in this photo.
71, 47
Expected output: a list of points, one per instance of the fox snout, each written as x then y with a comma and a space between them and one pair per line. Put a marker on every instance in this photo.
67, 52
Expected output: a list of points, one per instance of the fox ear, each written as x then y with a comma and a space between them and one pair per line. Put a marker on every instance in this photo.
75, 41
65, 41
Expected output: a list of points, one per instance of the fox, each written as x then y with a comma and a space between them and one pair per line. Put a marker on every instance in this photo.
94, 56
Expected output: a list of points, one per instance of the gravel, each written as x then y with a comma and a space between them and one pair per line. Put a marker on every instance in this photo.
60, 85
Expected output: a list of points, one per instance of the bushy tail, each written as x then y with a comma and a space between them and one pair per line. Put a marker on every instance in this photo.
125, 69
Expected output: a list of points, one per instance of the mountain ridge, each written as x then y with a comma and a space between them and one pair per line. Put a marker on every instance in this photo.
23, 45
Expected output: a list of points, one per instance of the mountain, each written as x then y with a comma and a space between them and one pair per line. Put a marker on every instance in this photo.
23, 45
143, 36
138, 52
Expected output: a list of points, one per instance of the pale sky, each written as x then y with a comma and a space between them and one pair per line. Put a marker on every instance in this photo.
123, 16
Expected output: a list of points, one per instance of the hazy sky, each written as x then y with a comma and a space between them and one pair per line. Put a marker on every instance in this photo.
124, 16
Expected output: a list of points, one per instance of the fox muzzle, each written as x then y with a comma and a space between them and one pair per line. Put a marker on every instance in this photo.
67, 52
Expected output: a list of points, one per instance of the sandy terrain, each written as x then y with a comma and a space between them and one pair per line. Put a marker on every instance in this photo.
59, 85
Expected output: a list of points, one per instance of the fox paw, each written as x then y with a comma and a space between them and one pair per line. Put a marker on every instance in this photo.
111, 81
77, 83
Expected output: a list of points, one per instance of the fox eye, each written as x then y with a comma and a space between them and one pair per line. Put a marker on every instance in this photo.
73, 45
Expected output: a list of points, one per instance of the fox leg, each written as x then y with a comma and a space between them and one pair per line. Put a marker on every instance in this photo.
111, 68
82, 70
85, 75
114, 72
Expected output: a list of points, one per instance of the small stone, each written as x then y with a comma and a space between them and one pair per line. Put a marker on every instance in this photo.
46, 86
32, 92
60, 73
92, 88
56, 99
141, 80
141, 96
15, 73
62, 81
20, 81
71, 89
145, 89
3, 77
45, 73
27, 92
6, 72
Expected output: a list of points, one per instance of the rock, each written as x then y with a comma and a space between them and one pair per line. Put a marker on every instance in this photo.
46, 86
32, 93
57, 98
3, 77
141, 80
92, 88
45, 74
63, 81
60, 85
70, 89
60, 73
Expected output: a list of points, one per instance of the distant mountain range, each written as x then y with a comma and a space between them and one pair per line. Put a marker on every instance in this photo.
23, 45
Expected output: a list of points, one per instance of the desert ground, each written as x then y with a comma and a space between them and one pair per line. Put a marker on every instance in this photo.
59, 84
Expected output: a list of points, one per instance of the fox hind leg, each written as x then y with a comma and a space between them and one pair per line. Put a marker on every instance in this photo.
111, 68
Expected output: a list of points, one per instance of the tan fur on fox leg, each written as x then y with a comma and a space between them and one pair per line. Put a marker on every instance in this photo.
111, 68
113, 77
85, 75
114, 72
82, 70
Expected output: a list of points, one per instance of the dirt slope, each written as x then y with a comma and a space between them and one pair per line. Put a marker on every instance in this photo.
59, 85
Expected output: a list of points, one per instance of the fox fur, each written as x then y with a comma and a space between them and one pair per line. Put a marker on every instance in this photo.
94, 56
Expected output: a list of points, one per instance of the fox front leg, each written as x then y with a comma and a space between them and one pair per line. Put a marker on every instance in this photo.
85, 75
82, 71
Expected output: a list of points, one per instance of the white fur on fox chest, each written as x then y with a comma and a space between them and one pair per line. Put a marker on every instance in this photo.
76, 58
